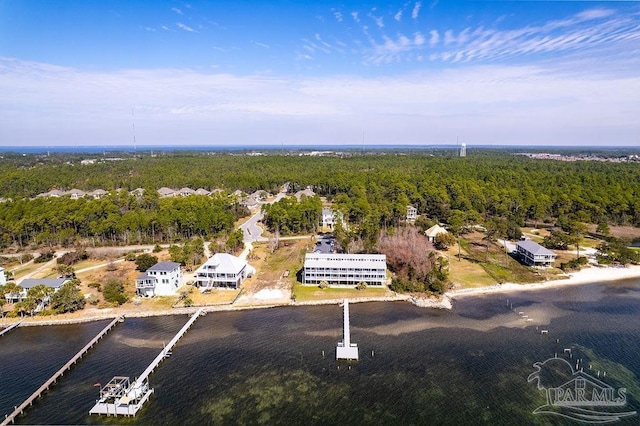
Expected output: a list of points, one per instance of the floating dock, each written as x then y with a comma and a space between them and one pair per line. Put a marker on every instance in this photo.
120, 397
20, 409
8, 329
346, 349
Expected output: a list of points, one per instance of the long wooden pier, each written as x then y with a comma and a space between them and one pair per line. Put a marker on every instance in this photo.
11, 327
20, 409
128, 399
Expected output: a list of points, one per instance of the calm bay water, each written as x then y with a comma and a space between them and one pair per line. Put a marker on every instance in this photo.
418, 366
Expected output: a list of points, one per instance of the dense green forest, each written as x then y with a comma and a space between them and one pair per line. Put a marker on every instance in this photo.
119, 218
371, 190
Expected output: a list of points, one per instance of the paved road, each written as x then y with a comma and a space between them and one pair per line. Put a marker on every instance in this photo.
253, 232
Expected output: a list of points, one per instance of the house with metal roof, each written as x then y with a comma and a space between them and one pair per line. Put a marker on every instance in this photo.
3, 278
345, 269
162, 279
533, 254
222, 270
28, 283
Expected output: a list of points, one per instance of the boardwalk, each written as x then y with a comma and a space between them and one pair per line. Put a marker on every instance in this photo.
127, 399
20, 409
11, 327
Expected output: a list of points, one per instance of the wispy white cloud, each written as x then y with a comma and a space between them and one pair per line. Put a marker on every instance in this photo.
42, 104
435, 38
257, 43
416, 10
185, 27
355, 16
398, 15
176, 10
600, 30
338, 15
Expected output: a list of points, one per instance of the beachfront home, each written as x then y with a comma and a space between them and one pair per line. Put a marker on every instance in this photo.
433, 232
28, 283
412, 213
3, 278
345, 269
162, 279
533, 254
222, 270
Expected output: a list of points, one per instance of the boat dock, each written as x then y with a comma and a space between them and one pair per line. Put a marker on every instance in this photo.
120, 397
8, 329
346, 349
20, 409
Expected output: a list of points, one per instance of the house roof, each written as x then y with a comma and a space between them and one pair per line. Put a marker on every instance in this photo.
435, 230
164, 266
534, 248
307, 191
49, 282
164, 191
223, 263
143, 277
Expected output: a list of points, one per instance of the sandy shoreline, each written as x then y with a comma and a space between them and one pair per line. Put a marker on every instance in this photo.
586, 276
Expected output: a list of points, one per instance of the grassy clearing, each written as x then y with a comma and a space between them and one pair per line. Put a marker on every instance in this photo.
215, 297
87, 264
498, 265
465, 273
305, 293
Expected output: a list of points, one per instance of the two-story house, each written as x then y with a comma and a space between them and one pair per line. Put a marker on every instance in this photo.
162, 279
533, 254
222, 270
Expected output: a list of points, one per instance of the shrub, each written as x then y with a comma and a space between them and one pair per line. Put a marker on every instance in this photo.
145, 261
157, 248
44, 257
95, 285
323, 284
113, 291
130, 257
361, 286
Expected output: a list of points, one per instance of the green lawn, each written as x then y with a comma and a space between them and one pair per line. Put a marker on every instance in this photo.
313, 292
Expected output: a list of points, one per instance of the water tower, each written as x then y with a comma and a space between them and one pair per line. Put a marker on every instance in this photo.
463, 150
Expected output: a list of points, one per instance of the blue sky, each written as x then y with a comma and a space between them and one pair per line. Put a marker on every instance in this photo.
319, 73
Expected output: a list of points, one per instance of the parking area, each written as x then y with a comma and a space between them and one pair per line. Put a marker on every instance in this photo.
325, 244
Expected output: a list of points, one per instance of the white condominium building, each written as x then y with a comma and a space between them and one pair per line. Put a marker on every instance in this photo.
345, 269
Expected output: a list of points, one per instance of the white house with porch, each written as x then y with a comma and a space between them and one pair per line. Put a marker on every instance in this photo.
533, 254
28, 283
330, 217
162, 279
345, 269
222, 270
